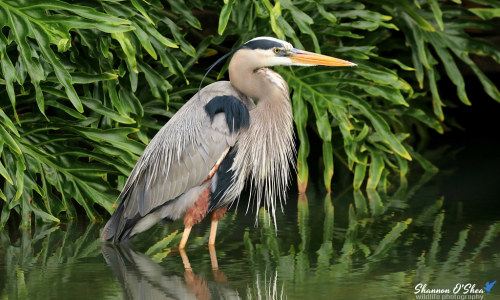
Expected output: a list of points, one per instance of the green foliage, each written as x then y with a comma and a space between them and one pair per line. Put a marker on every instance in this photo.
85, 86
79, 125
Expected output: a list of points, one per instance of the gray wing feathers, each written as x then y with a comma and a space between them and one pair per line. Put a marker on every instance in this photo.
180, 156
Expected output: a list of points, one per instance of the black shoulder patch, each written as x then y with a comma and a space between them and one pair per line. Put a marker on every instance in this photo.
264, 44
237, 115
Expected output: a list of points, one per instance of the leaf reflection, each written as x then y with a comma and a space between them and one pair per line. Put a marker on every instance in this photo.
331, 244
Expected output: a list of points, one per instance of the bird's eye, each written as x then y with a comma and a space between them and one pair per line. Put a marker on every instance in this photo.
276, 50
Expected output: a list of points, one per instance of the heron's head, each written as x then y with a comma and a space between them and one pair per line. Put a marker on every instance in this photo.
266, 51
269, 51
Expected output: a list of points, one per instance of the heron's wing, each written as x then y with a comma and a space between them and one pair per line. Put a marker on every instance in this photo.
183, 153
175, 162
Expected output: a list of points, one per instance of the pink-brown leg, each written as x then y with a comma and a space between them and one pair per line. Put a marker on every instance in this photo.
194, 215
217, 214
213, 233
185, 236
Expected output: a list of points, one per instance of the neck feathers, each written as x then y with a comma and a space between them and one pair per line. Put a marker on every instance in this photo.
266, 151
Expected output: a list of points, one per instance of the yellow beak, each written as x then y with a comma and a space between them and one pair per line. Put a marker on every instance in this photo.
310, 58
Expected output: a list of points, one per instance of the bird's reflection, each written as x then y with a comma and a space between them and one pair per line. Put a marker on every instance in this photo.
142, 278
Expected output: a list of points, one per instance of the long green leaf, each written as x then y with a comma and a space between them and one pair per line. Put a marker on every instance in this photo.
9, 141
224, 16
97, 106
181, 8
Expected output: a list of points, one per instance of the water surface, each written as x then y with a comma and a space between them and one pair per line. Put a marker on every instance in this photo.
438, 230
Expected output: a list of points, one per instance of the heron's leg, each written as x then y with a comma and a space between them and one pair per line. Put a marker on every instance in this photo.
217, 214
213, 233
194, 215
185, 236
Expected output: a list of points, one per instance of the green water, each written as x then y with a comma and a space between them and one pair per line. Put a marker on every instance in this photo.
438, 230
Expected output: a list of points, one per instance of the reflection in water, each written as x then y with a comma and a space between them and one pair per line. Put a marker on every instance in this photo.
142, 278
360, 244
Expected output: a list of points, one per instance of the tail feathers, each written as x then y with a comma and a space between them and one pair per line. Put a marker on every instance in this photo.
111, 229
121, 229
118, 228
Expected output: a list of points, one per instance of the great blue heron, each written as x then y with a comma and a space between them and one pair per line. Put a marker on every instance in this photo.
229, 133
